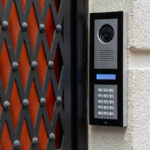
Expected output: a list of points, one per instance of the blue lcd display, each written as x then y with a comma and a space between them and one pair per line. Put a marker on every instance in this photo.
105, 76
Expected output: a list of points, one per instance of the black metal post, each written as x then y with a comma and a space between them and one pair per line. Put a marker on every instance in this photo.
79, 61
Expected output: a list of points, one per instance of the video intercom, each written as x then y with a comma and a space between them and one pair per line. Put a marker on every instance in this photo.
108, 69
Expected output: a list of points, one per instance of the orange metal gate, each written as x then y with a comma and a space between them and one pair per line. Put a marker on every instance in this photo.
25, 66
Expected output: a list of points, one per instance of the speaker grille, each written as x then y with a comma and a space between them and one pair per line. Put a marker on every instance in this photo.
105, 55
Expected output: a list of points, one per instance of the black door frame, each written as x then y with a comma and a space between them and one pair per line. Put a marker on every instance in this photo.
80, 73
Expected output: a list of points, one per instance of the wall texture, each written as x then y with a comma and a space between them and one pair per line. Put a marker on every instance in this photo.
136, 136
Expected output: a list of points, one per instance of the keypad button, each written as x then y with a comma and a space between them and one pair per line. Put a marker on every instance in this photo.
100, 95
106, 113
111, 114
100, 101
106, 102
100, 90
111, 90
111, 107
106, 90
111, 102
105, 107
100, 113
106, 96
100, 107
111, 96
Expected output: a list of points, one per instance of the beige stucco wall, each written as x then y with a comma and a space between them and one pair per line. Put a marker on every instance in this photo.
137, 135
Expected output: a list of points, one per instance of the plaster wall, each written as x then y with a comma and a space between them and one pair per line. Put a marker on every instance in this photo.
136, 136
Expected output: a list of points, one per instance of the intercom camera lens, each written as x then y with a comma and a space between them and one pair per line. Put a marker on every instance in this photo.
106, 33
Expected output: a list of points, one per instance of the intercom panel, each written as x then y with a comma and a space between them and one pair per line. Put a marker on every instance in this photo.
108, 69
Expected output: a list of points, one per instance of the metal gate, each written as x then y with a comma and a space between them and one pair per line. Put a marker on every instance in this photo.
35, 75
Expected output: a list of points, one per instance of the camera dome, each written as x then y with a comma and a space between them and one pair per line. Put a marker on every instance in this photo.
106, 33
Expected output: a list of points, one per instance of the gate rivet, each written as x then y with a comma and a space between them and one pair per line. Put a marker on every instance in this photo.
16, 144
58, 28
42, 28
25, 103
42, 101
6, 105
24, 26
15, 65
59, 100
5, 25
52, 136
34, 140
50, 64
34, 65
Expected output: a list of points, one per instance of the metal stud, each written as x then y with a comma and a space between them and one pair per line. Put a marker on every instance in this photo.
6, 105
52, 136
59, 100
25, 103
50, 64
34, 141
15, 65
42, 101
5, 25
24, 26
34, 65
42, 28
16, 144
58, 28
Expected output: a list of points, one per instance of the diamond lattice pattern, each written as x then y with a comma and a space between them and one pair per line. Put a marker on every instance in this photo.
31, 63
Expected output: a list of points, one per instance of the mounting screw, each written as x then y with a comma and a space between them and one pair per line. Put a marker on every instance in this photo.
15, 65
52, 136
58, 28
16, 144
6, 105
34, 141
25, 103
50, 64
42, 28
59, 100
24, 26
5, 25
34, 65
42, 101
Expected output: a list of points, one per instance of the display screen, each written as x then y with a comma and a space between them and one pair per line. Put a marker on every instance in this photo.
105, 76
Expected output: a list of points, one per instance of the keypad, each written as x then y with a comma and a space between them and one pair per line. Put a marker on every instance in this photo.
105, 106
